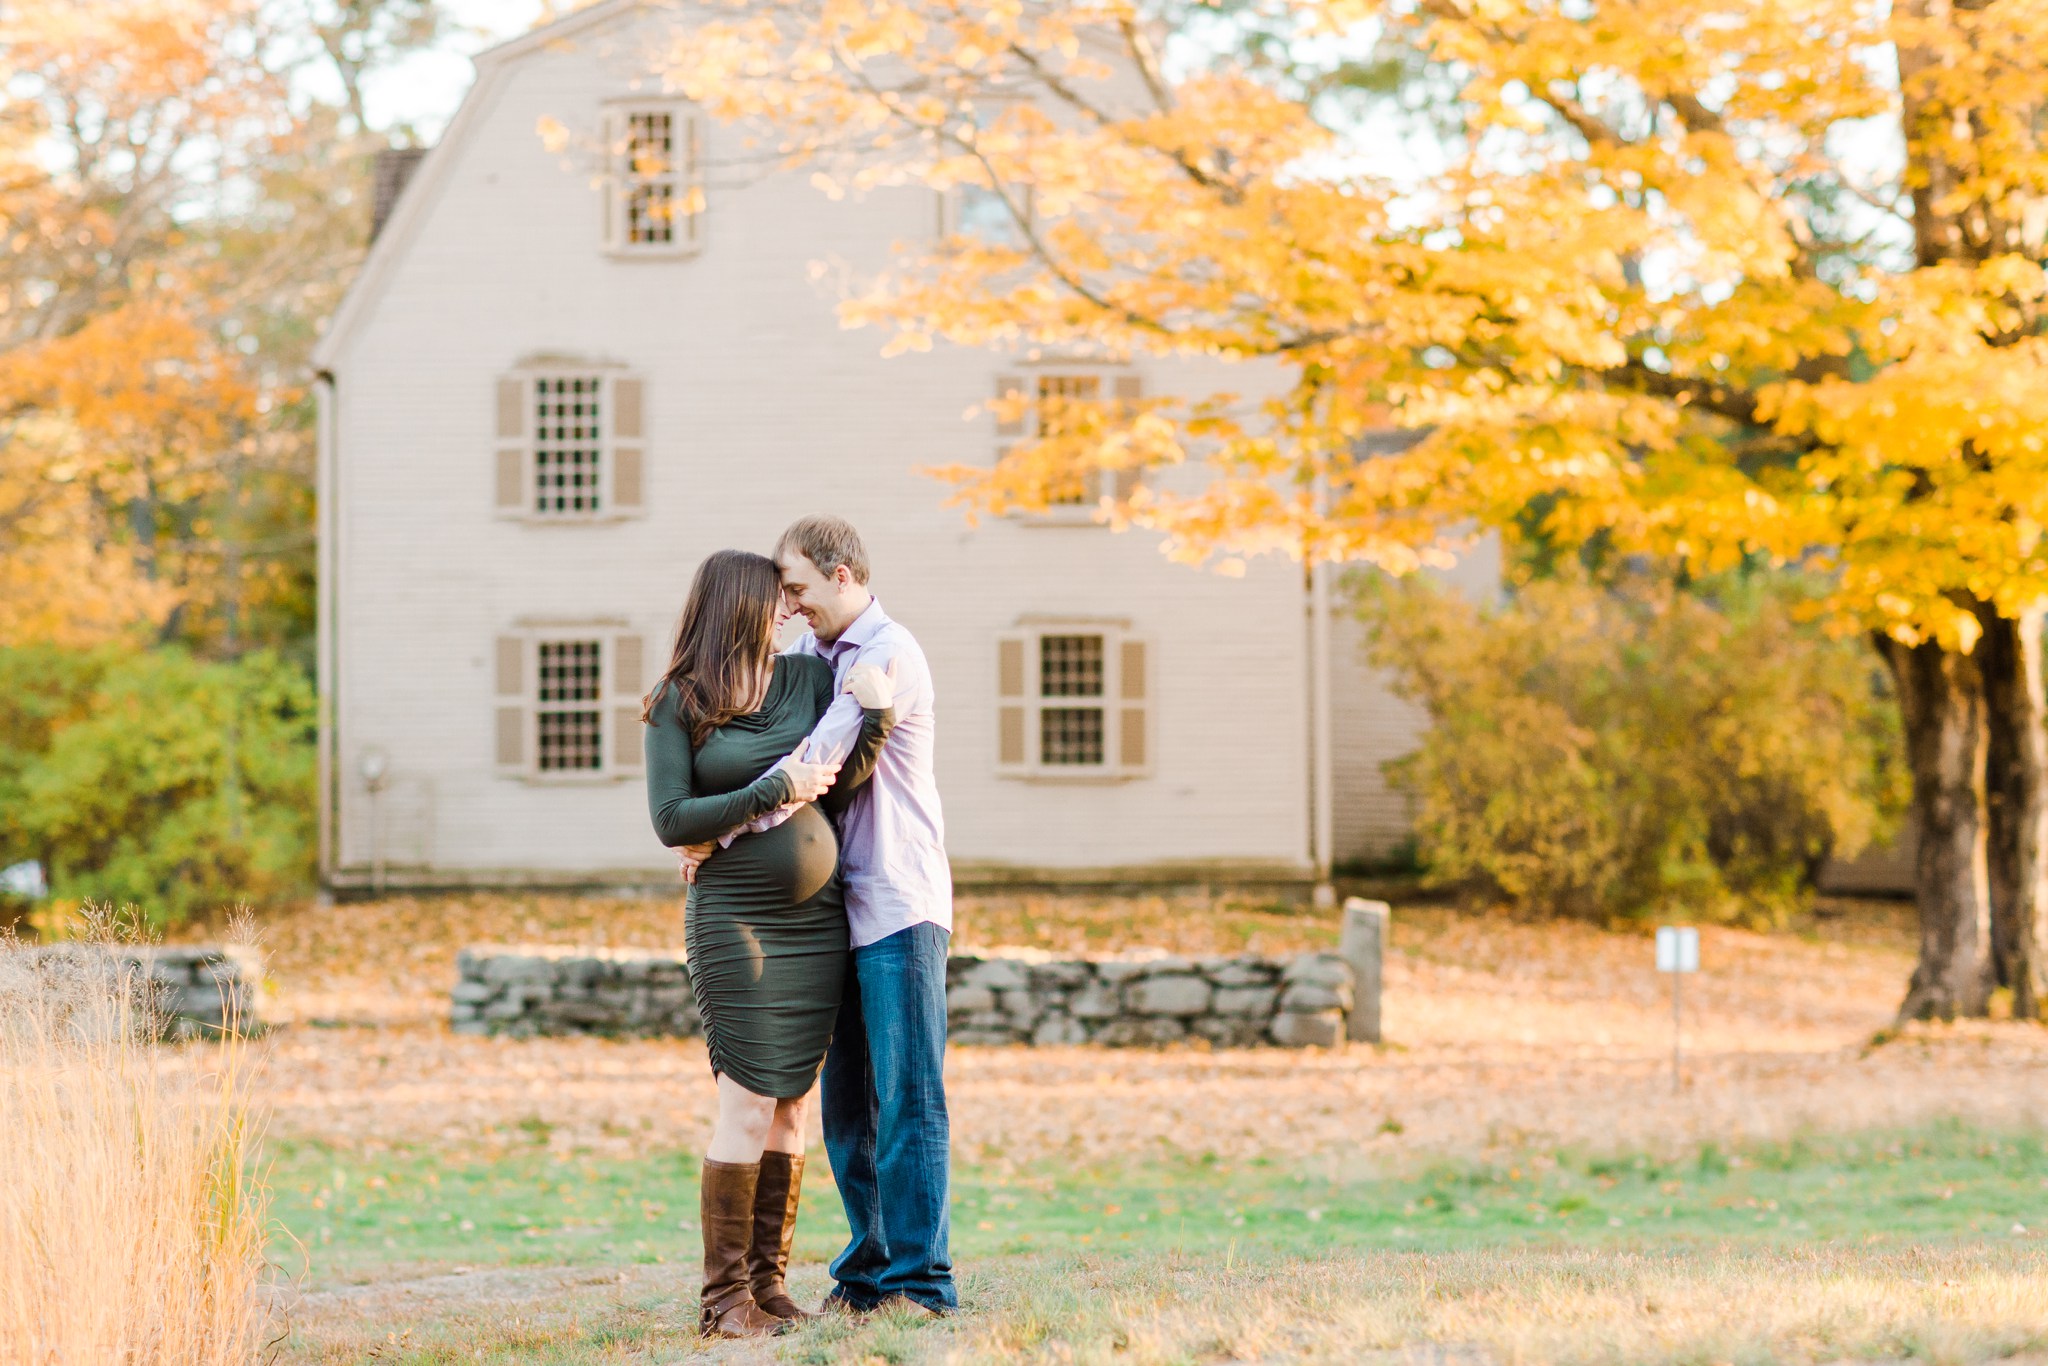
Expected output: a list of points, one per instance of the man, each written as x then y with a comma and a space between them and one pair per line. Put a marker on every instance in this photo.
884, 1098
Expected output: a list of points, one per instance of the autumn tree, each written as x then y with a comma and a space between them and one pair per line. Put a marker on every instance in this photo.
180, 215
183, 191
1720, 283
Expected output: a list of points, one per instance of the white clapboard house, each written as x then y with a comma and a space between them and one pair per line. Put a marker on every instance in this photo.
545, 400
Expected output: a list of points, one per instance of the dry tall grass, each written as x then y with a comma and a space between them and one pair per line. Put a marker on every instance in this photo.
129, 1230
1671, 1306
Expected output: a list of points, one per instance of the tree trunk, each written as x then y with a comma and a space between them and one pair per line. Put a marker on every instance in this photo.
2004, 786
1941, 701
2016, 803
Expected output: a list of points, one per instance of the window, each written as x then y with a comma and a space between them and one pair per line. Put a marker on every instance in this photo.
983, 214
570, 444
568, 702
650, 186
1058, 417
653, 186
1072, 702
570, 723
1054, 407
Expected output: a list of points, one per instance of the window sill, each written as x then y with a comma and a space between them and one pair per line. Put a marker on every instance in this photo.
583, 519
675, 253
1067, 516
531, 779
1046, 777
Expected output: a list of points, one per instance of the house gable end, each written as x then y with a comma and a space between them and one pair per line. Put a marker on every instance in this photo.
430, 180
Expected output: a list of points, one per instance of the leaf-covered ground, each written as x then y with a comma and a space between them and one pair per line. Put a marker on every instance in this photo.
1517, 1143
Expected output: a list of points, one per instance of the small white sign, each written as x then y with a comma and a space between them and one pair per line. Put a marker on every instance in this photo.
1678, 949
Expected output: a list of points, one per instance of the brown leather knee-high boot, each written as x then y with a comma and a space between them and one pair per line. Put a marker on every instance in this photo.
726, 1209
775, 1204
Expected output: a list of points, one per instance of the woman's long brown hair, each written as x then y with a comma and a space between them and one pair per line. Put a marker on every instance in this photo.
725, 643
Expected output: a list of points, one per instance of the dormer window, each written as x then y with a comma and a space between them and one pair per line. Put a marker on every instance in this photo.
653, 185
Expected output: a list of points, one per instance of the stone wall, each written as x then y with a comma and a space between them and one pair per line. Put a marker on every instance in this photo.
196, 990
1231, 1002
1016, 998
528, 990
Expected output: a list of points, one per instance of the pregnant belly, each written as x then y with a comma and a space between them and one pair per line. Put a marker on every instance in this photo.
785, 866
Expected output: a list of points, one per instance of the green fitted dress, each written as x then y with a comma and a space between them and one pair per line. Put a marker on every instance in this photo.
765, 925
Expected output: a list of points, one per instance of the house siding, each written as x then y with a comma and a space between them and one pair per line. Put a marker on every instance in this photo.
1372, 726
759, 408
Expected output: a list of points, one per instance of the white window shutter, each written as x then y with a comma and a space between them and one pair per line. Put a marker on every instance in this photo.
628, 681
629, 444
611, 180
690, 177
629, 665
1010, 430
512, 472
1134, 695
1012, 387
511, 667
1120, 484
1013, 701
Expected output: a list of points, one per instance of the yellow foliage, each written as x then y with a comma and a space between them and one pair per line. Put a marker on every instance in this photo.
126, 410
126, 430
1656, 278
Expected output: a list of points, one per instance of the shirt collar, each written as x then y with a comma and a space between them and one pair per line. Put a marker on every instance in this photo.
871, 620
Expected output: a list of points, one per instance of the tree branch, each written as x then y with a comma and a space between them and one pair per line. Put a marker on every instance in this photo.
1059, 87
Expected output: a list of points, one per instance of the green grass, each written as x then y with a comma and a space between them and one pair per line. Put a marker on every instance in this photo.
534, 1208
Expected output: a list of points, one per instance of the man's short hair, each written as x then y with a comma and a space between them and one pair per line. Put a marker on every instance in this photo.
826, 542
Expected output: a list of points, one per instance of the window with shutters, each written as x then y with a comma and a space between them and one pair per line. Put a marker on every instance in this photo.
653, 182
570, 444
1057, 403
568, 702
1073, 701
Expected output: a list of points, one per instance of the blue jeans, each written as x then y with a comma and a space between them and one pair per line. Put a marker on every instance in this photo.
884, 1107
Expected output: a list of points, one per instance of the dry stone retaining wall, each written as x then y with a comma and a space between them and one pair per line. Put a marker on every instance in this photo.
1231, 1002
530, 990
195, 990
996, 999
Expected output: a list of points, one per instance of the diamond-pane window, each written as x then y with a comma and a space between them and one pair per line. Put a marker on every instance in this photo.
570, 722
568, 444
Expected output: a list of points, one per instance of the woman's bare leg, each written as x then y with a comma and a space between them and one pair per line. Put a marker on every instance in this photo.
786, 1134
744, 1122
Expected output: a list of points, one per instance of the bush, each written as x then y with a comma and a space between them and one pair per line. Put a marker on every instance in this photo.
1621, 752
156, 779
42, 689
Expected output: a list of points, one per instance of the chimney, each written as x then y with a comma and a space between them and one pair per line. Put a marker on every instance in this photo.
394, 167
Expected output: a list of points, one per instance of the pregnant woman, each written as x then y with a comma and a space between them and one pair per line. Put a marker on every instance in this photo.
765, 925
